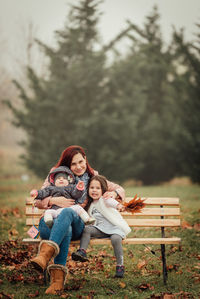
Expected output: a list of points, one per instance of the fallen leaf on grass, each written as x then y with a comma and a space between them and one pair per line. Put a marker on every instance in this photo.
141, 264
145, 286
156, 296
181, 295
36, 294
6, 296
76, 284
173, 249
173, 267
90, 295
179, 272
64, 295
16, 277
12, 233
186, 225
14, 258
122, 284
130, 254
197, 226
16, 212
196, 279
13, 211
154, 272
197, 266
168, 296
72, 263
103, 253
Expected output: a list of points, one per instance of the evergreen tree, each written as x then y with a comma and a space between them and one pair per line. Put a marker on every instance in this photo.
143, 95
188, 88
58, 107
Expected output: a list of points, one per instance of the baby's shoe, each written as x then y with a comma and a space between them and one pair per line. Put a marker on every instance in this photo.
119, 271
91, 220
48, 219
80, 255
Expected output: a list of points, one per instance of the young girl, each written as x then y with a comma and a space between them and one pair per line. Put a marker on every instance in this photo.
109, 223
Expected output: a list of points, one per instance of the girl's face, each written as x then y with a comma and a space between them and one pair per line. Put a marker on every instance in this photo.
95, 191
78, 165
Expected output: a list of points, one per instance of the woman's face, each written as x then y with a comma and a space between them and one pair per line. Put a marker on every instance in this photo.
95, 191
78, 165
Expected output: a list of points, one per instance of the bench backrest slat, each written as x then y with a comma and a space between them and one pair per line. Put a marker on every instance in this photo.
145, 212
159, 201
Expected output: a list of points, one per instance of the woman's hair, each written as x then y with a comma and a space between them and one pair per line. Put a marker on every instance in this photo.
102, 180
68, 154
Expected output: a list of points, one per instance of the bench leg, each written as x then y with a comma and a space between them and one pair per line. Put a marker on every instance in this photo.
163, 254
164, 263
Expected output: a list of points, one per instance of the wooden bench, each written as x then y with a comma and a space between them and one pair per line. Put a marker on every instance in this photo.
159, 212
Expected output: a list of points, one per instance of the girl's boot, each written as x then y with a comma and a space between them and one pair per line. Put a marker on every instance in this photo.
47, 249
57, 278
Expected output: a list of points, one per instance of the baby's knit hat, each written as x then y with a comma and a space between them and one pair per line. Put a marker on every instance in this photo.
61, 170
57, 175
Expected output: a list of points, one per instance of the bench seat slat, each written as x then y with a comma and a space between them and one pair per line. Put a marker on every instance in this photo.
153, 222
173, 240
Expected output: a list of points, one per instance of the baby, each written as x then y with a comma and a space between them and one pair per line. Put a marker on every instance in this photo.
62, 183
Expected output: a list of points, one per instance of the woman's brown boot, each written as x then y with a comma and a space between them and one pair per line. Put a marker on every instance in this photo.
57, 275
47, 249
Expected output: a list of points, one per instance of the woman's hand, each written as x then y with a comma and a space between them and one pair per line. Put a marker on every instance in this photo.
62, 201
110, 194
34, 193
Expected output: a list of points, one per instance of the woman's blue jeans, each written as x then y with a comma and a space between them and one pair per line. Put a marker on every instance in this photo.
67, 226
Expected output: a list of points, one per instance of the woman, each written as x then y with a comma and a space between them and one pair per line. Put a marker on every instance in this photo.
68, 225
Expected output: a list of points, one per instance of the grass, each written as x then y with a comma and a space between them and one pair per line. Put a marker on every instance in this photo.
143, 277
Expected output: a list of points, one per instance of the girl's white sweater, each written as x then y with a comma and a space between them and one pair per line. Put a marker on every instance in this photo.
105, 207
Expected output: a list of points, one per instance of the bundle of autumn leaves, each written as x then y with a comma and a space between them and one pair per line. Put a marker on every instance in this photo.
135, 205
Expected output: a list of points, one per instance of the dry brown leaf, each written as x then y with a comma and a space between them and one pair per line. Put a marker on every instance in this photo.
145, 286
168, 296
135, 205
186, 225
33, 295
122, 284
141, 264
197, 226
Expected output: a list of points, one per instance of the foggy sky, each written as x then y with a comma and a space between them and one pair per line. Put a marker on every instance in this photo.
50, 15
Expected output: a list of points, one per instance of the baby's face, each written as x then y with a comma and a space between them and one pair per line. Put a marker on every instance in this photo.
61, 181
